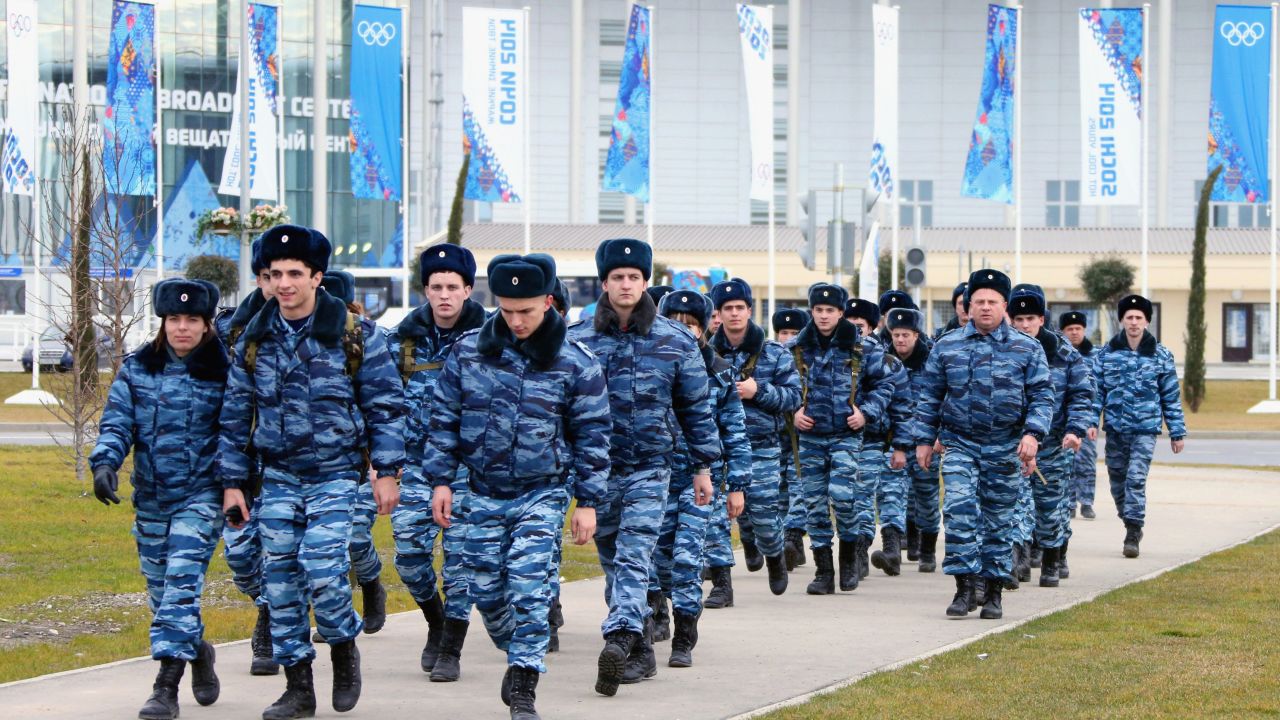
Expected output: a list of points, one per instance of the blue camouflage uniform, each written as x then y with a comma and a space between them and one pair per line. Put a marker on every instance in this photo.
166, 411
889, 432
925, 507
1137, 391
313, 424
652, 368
777, 392
414, 529
829, 451
1073, 392
980, 394
1084, 468
520, 416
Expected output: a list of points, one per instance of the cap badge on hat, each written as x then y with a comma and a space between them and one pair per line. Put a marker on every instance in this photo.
990, 276
825, 293
626, 250
284, 238
443, 253
183, 297
684, 299
515, 281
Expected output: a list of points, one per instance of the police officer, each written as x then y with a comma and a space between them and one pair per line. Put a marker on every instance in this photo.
1137, 390
864, 314
310, 388
419, 346
163, 406
652, 368
1084, 469
561, 300
242, 546
891, 300
845, 384
961, 317
1073, 407
769, 387
787, 323
986, 395
517, 404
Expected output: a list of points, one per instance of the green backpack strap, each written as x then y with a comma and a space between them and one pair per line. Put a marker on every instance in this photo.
855, 369
804, 375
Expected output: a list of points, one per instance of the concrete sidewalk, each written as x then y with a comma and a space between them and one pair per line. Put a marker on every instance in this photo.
763, 651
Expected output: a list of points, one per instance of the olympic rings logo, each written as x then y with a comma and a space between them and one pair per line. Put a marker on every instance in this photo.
376, 33
886, 31
19, 25
1242, 33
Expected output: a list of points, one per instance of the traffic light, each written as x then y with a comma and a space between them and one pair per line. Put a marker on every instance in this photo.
914, 275
809, 250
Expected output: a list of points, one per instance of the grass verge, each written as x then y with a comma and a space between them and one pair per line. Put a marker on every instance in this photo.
1191, 643
71, 594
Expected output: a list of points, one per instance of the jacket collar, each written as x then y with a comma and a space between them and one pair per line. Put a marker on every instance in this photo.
418, 323
844, 337
919, 354
327, 325
642, 316
1086, 347
247, 309
1146, 348
207, 362
542, 347
715, 363
1001, 333
752, 342
1049, 341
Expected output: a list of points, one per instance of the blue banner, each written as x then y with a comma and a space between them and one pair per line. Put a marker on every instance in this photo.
1239, 112
128, 155
988, 170
376, 159
627, 167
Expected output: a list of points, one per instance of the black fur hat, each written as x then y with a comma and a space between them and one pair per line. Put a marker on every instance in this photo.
339, 284
180, 296
1135, 302
686, 301
624, 252
446, 257
294, 242
827, 294
905, 319
865, 309
529, 276
987, 279
1074, 317
789, 319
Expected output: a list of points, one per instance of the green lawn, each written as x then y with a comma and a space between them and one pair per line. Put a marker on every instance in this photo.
1195, 642
68, 565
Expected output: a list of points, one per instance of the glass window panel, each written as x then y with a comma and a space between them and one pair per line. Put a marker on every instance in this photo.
1245, 216
1236, 330
1053, 191
926, 190
1073, 191
906, 215
926, 215
907, 188
1071, 215
1261, 333
1053, 216
1221, 216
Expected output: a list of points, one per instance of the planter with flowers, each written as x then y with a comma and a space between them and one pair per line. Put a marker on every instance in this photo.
218, 221
264, 217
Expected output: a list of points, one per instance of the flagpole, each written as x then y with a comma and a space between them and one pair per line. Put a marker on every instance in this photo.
649, 207
1017, 159
1146, 146
242, 83
773, 192
158, 197
404, 154
897, 133
1271, 193
526, 191
280, 187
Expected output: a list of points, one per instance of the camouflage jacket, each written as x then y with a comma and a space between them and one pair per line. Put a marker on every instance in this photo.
237, 319
734, 466
777, 382
431, 346
520, 414
312, 418
652, 369
989, 388
1073, 389
166, 411
1137, 389
826, 377
900, 419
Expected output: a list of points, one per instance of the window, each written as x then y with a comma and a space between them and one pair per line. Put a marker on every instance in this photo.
1245, 332
13, 297
1244, 215
613, 33
1062, 203
915, 194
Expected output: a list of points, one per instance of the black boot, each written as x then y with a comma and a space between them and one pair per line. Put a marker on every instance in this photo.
448, 667
661, 616
375, 606
800, 533
777, 573
1049, 568
889, 557
1064, 572
824, 580
641, 664
991, 609
1022, 566
928, 552
433, 611
163, 703
346, 675
755, 560
962, 604
522, 686
979, 592
913, 541
299, 698
1086, 512
555, 621
204, 681
1132, 536
793, 548
683, 642
1037, 556
613, 660
849, 571
721, 595
864, 557
263, 662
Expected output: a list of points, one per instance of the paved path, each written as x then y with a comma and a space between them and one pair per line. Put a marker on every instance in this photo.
763, 651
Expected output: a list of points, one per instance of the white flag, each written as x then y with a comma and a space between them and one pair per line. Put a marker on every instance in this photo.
264, 103
494, 88
755, 26
19, 153
884, 143
869, 269
1111, 67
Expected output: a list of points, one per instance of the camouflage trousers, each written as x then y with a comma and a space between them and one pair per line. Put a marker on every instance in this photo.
453, 571
1024, 523
793, 495
415, 536
627, 523
832, 483
1084, 472
677, 558
982, 482
242, 548
763, 515
925, 494
364, 556
719, 540
174, 549
1128, 464
1052, 497
306, 529
892, 486
509, 552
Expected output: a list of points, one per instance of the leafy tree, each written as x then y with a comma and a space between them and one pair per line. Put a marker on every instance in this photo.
1105, 280
219, 270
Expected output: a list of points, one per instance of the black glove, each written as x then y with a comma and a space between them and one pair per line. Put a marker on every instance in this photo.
105, 484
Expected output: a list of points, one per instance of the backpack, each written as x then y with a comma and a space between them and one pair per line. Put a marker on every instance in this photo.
409, 365
854, 363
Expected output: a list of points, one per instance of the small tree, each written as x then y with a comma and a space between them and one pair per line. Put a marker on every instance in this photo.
454, 236
219, 270
1105, 280
1193, 385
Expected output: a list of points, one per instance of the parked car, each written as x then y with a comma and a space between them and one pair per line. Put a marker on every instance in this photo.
55, 351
